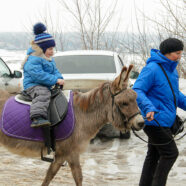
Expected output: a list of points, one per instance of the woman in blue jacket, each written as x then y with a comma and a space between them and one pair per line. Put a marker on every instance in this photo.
40, 73
155, 100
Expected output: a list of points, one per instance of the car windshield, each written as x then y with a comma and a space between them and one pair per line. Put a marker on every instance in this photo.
4, 71
134, 75
77, 64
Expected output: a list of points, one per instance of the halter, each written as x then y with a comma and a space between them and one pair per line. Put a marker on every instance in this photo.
113, 95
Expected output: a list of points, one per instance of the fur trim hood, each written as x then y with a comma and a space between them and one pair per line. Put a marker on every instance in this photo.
35, 50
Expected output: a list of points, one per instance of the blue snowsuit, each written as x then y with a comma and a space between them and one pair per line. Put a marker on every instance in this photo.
39, 71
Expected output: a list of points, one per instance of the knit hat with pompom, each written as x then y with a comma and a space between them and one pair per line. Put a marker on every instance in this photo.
44, 40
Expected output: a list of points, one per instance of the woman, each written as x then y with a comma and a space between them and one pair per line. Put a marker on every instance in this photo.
155, 100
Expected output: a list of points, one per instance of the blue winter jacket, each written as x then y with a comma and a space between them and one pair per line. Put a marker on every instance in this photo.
39, 71
154, 93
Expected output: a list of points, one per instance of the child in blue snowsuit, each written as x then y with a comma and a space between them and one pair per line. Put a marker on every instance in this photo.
40, 73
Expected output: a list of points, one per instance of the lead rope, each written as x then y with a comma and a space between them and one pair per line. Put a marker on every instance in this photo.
172, 138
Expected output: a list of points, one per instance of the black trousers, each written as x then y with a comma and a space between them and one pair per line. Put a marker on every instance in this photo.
160, 158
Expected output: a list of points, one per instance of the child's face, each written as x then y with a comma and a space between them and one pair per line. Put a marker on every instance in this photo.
174, 56
49, 52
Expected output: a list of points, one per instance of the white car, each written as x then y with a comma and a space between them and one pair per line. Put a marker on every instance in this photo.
86, 69
9, 81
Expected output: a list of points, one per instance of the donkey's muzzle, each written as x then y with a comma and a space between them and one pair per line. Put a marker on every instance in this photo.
141, 124
138, 123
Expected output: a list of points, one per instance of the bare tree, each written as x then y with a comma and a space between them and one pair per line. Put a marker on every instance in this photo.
169, 22
91, 22
138, 42
172, 24
53, 27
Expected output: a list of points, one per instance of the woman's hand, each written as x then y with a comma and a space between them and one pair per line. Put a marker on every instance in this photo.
150, 116
60, 81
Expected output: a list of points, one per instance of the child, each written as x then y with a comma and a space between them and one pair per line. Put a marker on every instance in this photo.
40, 73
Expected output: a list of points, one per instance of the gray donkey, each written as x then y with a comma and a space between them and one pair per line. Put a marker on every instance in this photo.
112, 102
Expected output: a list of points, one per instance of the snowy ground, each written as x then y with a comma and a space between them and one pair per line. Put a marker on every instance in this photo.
105, 163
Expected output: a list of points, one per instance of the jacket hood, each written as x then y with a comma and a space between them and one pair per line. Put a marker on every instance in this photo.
35, 50
158, 57
30, 51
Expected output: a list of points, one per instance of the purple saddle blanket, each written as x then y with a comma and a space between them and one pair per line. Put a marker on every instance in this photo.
15, 122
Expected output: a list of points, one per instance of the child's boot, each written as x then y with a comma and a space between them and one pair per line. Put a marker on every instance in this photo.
40, 122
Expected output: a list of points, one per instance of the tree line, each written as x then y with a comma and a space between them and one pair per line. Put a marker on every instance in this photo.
91, 19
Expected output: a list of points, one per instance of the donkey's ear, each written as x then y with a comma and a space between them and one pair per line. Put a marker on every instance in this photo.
127, 75
122, 80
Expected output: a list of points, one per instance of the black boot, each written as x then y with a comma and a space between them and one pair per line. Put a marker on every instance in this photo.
40, 122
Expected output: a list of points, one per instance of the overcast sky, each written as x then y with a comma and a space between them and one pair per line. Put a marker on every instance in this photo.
19, 15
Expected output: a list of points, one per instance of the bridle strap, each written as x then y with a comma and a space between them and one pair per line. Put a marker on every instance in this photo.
134, 115
113, 95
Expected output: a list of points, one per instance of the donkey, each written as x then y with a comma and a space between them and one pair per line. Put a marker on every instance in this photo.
112, 102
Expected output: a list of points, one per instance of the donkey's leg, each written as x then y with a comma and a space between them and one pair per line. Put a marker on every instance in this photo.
74, 164
53, 169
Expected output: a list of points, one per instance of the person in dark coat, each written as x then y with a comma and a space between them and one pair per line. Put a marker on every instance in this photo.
156, 101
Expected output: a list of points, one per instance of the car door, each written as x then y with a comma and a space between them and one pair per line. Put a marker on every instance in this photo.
7, 80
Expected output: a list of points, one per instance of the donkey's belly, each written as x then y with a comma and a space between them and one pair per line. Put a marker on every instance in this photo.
21, 147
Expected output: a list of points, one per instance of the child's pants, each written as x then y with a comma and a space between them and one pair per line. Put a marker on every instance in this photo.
40, 101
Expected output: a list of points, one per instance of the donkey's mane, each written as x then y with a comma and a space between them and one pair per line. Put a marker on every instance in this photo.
84, 100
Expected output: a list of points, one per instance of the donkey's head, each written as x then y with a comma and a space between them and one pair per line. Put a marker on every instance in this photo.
124, 113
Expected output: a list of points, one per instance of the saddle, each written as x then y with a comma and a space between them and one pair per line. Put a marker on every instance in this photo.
57, 108
56, 113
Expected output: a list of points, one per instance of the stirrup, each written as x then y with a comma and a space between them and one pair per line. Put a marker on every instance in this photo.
48, 159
